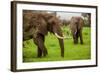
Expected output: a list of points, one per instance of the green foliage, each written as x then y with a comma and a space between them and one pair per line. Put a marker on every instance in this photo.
72, 51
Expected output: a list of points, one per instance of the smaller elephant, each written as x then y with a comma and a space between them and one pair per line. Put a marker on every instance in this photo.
76, 25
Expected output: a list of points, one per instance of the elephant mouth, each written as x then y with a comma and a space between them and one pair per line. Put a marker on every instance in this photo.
62, 37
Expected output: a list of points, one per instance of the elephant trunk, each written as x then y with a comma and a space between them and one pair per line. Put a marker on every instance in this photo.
60, 37
61, 43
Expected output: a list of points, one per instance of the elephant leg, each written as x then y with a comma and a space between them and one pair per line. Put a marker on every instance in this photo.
45, 53
77, 35
39, 52
75, 39
81, 37
45, 49
40, 44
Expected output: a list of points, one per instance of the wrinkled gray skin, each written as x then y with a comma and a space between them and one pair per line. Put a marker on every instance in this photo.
37, 25
76, 25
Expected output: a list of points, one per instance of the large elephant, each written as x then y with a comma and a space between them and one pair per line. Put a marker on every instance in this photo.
37, 25
76, 25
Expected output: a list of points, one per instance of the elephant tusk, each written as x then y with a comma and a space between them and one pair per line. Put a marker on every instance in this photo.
75, 32
60, 36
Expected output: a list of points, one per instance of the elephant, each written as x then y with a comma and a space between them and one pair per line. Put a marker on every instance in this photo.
76, 26
36, 26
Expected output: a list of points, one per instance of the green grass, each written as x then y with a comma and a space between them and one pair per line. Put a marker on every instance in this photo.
72, 51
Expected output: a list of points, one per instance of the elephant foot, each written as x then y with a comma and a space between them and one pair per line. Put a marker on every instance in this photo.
62, 55
39, 53
75, 42
45, 54
81, 43
39, 56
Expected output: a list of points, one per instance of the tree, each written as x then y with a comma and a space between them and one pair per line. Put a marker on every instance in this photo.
87, 18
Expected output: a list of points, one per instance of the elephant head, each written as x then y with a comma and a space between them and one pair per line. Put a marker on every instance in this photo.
54, 26
76, 25
37, 25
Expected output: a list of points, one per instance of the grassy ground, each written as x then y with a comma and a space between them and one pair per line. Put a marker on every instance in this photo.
72, 52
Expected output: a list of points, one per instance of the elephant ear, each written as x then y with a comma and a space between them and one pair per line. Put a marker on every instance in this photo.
39, 23
73, 25
42, 26
81, 22
47, 21
49, 17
